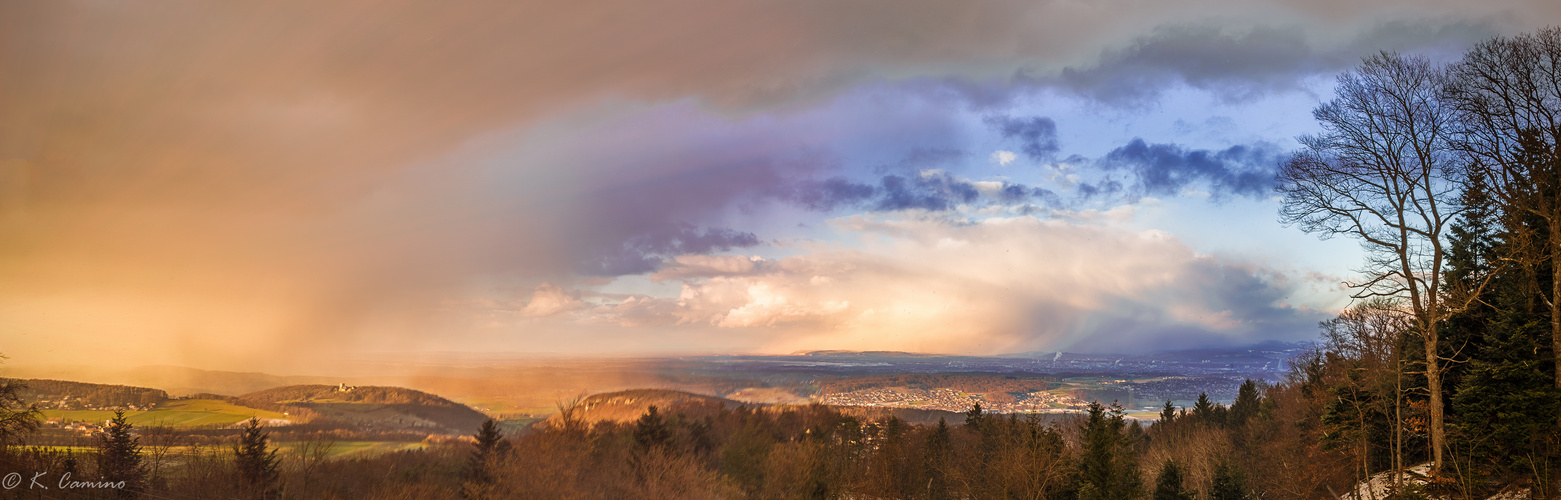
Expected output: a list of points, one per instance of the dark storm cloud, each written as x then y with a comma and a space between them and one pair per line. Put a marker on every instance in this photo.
1238, 305
1037, 136
933, 191
646, 252
1102, 189
825, 195
1166, 169
1242, 63
928, 192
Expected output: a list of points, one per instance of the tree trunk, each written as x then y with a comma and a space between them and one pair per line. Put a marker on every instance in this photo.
1433, 378
1555, 295
1398, 416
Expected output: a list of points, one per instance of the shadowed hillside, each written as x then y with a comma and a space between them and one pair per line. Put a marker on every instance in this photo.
626, 406
373, 407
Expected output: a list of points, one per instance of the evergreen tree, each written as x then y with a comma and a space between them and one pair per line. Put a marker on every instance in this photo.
255, 461
937, 461
1206, 411
651, 431
119, 456
1506, 401
1503, 334
490, 444
1246, 404
973, 417
1168, 413
1169, 484
1228, 484
1108, 468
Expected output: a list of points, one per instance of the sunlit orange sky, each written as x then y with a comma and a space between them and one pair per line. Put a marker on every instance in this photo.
252, 184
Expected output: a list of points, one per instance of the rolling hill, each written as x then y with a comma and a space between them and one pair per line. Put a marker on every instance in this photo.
626, 406
373, 407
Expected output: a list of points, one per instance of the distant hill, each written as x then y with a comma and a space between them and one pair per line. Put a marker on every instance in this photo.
334, 394
626, 406
865, 354
92, 395
373, 407
176, 380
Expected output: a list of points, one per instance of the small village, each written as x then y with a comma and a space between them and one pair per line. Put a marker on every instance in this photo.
953, 400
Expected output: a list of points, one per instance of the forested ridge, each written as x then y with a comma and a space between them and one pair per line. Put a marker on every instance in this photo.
90, 395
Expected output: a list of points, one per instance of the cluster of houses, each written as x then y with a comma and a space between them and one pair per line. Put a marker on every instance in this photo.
70, 403
951, 400
85, 428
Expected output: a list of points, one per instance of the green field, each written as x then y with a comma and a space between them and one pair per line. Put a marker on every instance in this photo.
340, 449
355, 449
174, 413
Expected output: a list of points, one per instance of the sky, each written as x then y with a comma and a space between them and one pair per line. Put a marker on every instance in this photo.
266, 184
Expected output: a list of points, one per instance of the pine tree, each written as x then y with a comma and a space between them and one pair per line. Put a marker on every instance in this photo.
1108, 469
1503, 334
973, 417
651, 431
1228, 484
1168, 413
255, 462
937, 461
490, 444
1246, 404
119, 456
1168, 486
1206, 411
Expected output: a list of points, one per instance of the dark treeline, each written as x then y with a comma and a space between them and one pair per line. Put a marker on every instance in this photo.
91, 395
365, 394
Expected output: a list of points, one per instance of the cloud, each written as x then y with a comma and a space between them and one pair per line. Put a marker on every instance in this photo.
684, 267
549, 299
998, 285
931, 191
644, 253
824, 195
1166, 169
1037, 136
308, 174
1003, 157
1245, 60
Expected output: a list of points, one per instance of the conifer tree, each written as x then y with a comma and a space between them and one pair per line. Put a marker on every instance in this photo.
1203, 410
1168, 486
937, 461
1108, 469
1246, 403
1228, 484
490, 444
119, 456
973, 417
1168, 413
255, 461
651, 431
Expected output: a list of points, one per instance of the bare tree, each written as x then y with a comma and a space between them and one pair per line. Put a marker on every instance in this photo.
16, 418
313, 449
1508, 95
160, 440
1383, 171
1368, 333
